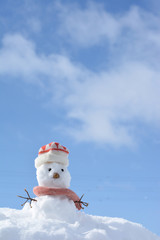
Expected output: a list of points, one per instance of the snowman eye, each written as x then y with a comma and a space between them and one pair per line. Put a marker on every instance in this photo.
62, 170
49, 169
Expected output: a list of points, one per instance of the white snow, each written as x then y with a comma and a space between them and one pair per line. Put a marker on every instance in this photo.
54, 218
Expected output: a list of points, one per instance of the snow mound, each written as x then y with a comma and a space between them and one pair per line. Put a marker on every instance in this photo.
53, 218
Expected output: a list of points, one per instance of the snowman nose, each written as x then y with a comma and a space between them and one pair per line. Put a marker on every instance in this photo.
56, 175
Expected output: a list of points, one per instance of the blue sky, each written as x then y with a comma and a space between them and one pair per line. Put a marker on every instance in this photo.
85, 74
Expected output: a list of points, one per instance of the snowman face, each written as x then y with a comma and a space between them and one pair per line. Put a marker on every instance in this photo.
53, 175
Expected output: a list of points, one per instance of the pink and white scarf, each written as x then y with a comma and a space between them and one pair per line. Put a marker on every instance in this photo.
42, 191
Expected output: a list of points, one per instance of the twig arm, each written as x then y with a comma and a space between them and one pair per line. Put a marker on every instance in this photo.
27, 199
81, 202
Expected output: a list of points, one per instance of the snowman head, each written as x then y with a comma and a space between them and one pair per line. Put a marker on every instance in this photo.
51, 164
53, 175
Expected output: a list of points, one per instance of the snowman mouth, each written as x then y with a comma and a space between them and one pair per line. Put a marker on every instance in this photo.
56, 175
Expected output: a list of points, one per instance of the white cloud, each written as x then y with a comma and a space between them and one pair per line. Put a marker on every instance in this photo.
93, 25
18, 57
108, 105
111, 103
88, 26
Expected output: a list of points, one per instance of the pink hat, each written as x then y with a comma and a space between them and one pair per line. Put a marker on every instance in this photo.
52, 152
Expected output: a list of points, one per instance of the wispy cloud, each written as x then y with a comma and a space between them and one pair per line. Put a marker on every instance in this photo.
18, 57
89, 26
94, 25
108, 105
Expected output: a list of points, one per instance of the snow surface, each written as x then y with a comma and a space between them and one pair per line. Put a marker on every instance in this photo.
54, 218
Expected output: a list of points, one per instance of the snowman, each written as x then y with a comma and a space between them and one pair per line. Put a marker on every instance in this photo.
53, 178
